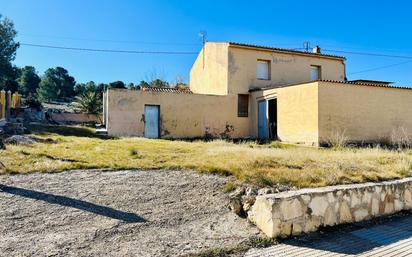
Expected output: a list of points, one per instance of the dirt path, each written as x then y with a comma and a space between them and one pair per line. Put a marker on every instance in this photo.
125, 213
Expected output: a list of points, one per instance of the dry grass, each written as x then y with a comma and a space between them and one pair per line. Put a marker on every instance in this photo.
64, 148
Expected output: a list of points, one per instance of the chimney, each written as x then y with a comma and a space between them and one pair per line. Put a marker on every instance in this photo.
316, 50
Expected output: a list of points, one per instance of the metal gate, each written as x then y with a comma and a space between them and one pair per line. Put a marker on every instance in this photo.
152, 118
263, 129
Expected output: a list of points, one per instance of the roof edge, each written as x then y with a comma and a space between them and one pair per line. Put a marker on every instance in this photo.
284, 50
332, 81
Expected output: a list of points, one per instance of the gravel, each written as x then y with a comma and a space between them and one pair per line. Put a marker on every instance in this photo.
124, 213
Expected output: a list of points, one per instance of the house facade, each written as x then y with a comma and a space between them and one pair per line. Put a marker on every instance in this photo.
247, 91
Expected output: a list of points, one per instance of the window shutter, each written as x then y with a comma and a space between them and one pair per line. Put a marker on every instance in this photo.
262, 70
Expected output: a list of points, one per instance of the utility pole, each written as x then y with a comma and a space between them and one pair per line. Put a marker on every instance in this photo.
202, 35
306, 46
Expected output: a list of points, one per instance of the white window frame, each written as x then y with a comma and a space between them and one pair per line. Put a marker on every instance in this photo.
263, 69
318, 70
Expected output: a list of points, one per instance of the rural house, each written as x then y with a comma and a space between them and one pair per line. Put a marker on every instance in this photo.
248, 91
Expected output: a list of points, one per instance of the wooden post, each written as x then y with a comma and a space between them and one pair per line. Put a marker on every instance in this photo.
18, 101
8, 104
3, 104
15, 100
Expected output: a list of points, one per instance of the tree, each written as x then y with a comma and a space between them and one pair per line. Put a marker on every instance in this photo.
159, 83
89, 102
58, 80
117, 84
48, 89
11, 85
82, 88
101, 87
28, 80
8, 48
143, 83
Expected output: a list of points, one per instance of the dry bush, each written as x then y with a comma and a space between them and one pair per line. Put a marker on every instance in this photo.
260, 164
337, 139
400, 138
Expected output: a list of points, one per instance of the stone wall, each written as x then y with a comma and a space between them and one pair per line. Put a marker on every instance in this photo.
295, 212
76, 118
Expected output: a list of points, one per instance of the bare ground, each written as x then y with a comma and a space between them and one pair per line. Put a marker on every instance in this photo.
124, 213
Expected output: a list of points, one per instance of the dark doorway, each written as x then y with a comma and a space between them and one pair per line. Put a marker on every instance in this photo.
273, 118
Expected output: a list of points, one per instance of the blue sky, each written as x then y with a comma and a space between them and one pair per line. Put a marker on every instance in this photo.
172, 25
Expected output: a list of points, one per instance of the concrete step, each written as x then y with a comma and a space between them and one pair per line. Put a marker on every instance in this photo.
101, 131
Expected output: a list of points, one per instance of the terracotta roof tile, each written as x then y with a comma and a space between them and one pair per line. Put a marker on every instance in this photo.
168, 90
366, 84
335, 81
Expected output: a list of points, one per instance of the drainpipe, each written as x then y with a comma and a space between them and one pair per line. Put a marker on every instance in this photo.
344, 71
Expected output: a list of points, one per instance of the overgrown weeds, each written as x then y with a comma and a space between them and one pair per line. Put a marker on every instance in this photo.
64, 148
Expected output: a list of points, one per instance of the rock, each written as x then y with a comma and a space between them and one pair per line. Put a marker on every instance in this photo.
291, 209
250, 191
296, 229
366, 198
398, 205
266, 191
344, 213
330, 217
19, 140
235, 206
312, 224
247, 206
286, 229
375, 207
318, 205
354, 200
305, 198
237, 193
283, 188
408, 199
388, 205
360, 214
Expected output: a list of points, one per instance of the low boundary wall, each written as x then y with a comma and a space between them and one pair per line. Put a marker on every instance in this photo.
295, 212
76, 117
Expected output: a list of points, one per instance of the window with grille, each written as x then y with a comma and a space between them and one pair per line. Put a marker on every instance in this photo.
243, 105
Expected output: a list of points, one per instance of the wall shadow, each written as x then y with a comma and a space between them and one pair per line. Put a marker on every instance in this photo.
73, 203
64, 130
359, 238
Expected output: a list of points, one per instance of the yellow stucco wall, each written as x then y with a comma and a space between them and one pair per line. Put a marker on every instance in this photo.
210, 70
182, 115
285, 69
363, 113
297, 112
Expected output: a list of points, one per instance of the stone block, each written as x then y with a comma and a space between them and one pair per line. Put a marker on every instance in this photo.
375, 207
291, 209
345, 215
305, 210
407, 196
330, 217
318, 205
360, 214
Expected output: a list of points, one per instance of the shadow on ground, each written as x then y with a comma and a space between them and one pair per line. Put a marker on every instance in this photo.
62, 130
73, 203
359, 238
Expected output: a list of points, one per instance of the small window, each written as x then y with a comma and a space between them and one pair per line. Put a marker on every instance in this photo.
242, 105
315, 72
263, 69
